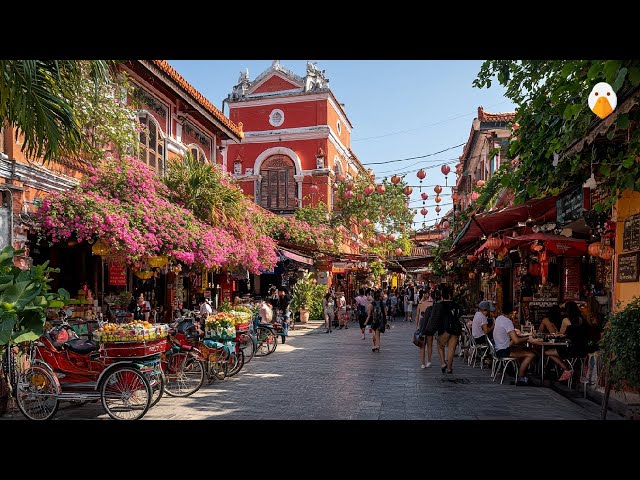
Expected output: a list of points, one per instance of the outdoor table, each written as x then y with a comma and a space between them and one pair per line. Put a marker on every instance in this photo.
543, 344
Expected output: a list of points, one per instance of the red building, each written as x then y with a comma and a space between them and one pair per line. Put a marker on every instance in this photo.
296, 134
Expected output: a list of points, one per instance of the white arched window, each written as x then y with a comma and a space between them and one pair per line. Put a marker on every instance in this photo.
197, 153
278, 186
152, 149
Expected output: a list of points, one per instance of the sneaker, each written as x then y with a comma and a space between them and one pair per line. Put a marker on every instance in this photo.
523, 382
345, 327
428, 364
423, 366
363, 336
443, 368
566, 375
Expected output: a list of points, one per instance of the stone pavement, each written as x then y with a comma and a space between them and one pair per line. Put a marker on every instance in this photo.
316, 375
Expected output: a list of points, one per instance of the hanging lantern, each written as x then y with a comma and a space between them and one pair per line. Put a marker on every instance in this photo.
494, 243
438, 209
382, 238
438, 199
340, 177
391, 237
398, 252
369, 189
471, 258
421, 174
395, 179
606, 253
536, 247
445, 224
314, 188
475, 196
158, 262
381, 189
424, 212
480, 183
424, 196
100, 248
143, 274
543, 257
445, 169
472, 275
349, 185
347, 195
373, 241
455, 197
366, 222
436, 225
437, 189
408, 190
594, 249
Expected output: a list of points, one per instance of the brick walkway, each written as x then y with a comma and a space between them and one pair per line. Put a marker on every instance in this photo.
336, 376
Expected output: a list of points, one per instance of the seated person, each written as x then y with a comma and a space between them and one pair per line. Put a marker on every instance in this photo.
575, 328
480, 327
551, 323
266, 312
506, 344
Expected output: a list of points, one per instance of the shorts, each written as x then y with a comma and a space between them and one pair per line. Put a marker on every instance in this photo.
481, 340
503, 352
362, 319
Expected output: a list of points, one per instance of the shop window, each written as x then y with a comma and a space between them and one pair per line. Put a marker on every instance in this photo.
152, 149
197, 153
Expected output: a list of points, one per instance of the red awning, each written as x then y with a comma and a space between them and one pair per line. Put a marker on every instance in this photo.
563, 246
540, 210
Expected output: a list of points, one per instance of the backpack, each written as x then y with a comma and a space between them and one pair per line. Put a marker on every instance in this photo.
451, 324
378, 316
362, 311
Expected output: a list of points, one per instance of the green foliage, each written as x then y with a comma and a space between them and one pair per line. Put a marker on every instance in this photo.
377, 269
439, 264
225, 306
553, 114
620, 346
308, 296
314, 214
24, 296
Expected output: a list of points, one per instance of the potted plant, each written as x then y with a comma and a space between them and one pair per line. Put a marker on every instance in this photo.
302, 296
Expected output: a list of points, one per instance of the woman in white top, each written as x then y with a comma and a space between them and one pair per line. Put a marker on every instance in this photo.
425, 302
329, 310
342, 311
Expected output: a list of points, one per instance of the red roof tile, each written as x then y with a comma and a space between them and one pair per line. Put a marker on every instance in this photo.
495, 117
198, 97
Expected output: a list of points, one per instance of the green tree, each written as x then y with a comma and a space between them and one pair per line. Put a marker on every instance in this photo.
553, 114
36, 98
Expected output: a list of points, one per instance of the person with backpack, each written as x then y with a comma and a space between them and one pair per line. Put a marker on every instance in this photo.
449, 329
408, 303
362, 305
377, 320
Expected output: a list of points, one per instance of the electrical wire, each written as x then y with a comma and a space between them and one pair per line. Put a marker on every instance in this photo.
414, 158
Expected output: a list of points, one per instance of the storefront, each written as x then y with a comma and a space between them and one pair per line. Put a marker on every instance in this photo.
627, 243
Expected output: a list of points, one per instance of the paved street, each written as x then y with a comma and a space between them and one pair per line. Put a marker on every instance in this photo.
337, 376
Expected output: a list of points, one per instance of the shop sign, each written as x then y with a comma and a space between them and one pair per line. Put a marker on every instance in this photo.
571, 279
631, 234
628, 267
570, 207
117, 275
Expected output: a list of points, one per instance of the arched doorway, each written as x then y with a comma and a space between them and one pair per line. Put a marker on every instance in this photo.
278, 188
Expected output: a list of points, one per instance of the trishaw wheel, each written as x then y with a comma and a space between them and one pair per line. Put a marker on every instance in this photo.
237, 362
126, 394
267, 342
37, 393
248, 346
158, 386
218, 367
184, 374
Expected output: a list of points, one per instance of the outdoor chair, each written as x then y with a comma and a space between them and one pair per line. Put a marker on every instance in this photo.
501, 363
477, 351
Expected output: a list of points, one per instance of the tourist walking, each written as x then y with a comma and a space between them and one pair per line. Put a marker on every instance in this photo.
342, 311
377, 320
449, 331
329, 307
408, 303
362, 306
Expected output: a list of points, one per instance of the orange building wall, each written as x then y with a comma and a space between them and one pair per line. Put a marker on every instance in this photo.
298, 114
626, 207
333, 117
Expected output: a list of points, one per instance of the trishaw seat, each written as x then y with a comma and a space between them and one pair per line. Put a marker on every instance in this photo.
81, 346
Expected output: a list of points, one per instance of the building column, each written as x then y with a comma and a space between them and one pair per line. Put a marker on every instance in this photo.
256, 190
299, 179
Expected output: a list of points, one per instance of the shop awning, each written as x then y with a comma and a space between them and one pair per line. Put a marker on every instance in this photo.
297, 257
488, 223
563, 246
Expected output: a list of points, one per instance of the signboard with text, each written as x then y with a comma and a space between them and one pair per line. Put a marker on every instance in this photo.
117, 275
631, 234
570, 207
628, 267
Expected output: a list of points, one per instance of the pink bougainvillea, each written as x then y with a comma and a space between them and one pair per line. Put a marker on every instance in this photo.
125, 204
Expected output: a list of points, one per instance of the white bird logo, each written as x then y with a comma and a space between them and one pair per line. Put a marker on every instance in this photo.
602, 100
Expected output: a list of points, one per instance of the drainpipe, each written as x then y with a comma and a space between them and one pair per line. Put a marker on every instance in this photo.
10, 192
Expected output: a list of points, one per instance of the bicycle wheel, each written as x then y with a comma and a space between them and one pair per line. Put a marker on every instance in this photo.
184, 374
37, 393
125, 393
267, 341
218, 367
237, 362
156, 379
247, 344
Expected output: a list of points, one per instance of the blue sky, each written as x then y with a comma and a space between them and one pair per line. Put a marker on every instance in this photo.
431, 102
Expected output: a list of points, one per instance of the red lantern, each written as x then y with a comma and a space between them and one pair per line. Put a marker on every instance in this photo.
445, 169
594, 249
398, 251
445, 224
475, 196
314, 188
369, 189
437, 189
347, 195
438, 209
606, 253
408, 190
472, 275
424, 195
366, 222
471, 258
373, 241
382, 238
438, 199
395, 179
340, 177
421, 174
494, 243
424, 211
350, 185
480, 183
455, 198
534, 269
391, 237
359, 196
381, 189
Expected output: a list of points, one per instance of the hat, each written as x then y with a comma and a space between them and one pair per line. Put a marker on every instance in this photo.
484, 305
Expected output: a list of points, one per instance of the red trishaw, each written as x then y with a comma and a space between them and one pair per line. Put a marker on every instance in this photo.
64, 367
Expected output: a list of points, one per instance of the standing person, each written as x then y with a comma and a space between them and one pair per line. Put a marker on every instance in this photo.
283, 306
342, 311
431, 328
377, 319
449, 331
393, 305
274, 298
408, 303
329, 308
362, 305
425, 302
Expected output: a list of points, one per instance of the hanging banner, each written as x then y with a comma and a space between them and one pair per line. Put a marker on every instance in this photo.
117, 275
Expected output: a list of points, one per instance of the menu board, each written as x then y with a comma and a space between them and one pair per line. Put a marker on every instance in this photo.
571, 278
117, 275
570, 207
631, 234
628, 267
